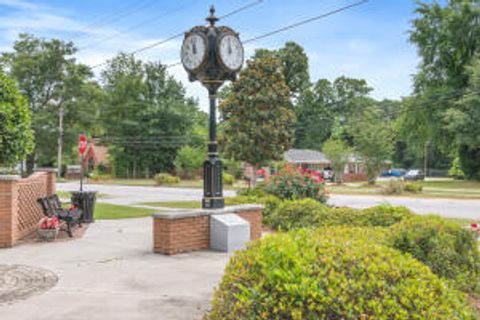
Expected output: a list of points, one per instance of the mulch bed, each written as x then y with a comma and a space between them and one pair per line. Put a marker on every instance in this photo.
62, 235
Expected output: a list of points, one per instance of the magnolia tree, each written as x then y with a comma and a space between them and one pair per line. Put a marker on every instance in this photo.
257, 119
16, 137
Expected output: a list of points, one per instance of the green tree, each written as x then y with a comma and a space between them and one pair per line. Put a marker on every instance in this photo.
447, 37
464, 122
373, 140
51, 79
146, 117
189, 160
294, 65
338, 153
314, 110
16, 136
258, 124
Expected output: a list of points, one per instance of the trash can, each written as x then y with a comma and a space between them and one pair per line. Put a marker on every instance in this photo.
85, 200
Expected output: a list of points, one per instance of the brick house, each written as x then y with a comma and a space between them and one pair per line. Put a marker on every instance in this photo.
94, 156
314, 159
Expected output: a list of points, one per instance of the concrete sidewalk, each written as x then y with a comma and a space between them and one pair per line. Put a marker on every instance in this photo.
111, 273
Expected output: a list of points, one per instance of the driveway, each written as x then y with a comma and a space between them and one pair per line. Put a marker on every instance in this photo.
112, 273
453, 208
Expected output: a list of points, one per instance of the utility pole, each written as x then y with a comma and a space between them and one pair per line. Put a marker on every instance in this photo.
425, 158
60, 140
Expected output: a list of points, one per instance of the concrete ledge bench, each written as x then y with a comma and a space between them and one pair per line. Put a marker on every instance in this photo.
186, 231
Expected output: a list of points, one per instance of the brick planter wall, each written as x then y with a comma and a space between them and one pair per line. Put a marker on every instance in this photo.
186, 231
19, 210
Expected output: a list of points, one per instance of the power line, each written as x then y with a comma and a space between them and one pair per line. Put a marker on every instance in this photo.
300, 23
180, 34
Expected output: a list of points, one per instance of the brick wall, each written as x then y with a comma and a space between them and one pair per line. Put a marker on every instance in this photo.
19, 210
8, 208
173, 236
190, 231
255, 220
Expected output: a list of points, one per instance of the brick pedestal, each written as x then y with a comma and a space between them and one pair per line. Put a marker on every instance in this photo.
8, 209
19, 210
185, 231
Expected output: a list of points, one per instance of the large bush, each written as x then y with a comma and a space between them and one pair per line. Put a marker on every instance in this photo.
189, 160
331, 274
16, 135
450, 250
294, 183
166, 179
309, 213
228, 179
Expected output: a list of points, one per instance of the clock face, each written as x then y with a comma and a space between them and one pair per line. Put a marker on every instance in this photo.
193, 51
231, 52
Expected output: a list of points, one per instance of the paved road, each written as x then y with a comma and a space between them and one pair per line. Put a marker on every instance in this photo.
112, 273
132, 195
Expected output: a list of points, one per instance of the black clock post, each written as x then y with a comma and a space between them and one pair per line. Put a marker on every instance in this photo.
212, 55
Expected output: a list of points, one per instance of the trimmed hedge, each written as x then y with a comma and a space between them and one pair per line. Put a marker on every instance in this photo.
333, 273
289, 215
450, 250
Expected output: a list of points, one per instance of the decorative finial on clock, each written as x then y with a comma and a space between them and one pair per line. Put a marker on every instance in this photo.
212, 18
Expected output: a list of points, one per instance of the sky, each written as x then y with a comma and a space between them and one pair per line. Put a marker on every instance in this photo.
369, 41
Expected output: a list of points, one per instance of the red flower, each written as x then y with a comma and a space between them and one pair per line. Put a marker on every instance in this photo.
307, 170
474, 225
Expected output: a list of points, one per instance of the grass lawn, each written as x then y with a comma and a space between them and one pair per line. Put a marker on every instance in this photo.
175, 204
111, 211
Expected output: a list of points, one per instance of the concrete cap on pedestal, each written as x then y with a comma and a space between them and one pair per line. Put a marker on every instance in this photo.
206, 212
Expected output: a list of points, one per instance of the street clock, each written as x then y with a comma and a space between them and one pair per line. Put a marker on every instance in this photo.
212, 55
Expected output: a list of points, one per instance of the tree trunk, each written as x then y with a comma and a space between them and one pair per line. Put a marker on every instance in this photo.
254, 175
60, 140
30, 163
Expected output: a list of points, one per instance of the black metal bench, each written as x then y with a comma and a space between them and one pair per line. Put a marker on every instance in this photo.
52, 206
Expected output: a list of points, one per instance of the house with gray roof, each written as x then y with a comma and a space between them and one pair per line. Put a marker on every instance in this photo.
317, 160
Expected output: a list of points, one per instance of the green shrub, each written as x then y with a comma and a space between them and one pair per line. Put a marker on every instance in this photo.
450, 250
385, 215
456, 170
295, 183
393, 186
415, 187
258, 191
165, 178
331, 274
294, 214
228, 179
309, 213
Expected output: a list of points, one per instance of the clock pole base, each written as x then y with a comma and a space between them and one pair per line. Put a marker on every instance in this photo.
213, 203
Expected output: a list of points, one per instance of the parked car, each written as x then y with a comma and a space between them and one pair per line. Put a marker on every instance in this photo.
328, 175
414, 175
393, 173
398, 172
